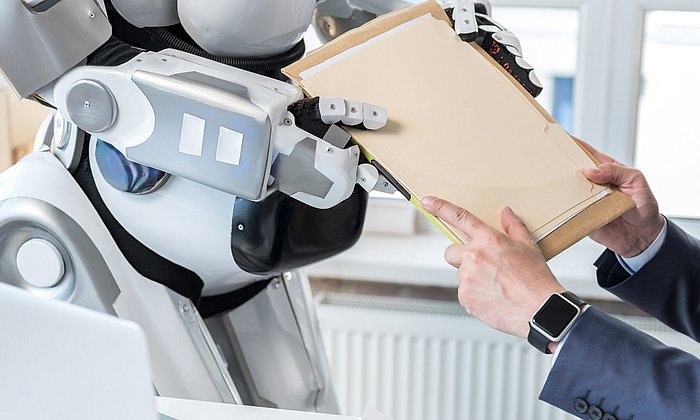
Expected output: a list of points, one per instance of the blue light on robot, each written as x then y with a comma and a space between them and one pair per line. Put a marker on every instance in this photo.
125, 175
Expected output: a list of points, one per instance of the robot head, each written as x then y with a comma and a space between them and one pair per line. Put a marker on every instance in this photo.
229, 28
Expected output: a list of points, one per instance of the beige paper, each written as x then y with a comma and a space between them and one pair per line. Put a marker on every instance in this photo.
458, 129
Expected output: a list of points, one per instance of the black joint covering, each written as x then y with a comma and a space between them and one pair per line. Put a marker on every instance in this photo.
215, 305
507, 60
308, 116
468, 37
281, 234
112, 53
449, 12
481, 8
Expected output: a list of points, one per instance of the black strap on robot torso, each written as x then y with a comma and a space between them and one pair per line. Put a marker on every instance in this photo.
144, 260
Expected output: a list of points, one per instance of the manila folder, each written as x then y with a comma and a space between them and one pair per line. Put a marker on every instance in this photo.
460, 128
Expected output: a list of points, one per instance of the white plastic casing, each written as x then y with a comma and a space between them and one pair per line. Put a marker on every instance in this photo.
61, 361
178, 373
241, 28
40, 263
148, 13
184, 222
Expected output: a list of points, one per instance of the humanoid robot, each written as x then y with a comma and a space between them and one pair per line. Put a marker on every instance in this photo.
182, 184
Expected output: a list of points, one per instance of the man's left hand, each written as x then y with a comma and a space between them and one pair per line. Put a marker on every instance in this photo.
503, 278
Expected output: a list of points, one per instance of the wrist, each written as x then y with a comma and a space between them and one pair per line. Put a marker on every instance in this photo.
645, 238
552, 322
536, 303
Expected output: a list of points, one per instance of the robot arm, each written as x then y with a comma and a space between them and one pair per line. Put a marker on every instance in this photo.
184, 115
216, 125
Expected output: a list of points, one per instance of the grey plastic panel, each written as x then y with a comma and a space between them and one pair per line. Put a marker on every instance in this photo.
37, 48
87, 281
273, 351
227, 106
296, 173
207, 349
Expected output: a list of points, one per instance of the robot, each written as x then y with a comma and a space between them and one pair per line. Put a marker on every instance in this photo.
182, 184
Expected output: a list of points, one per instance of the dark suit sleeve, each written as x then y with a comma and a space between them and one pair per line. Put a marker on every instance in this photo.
667, 287
623, 372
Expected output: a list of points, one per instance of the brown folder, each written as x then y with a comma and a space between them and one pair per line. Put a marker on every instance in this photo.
460, 127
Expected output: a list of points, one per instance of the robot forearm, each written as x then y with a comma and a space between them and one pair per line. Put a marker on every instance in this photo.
213, 124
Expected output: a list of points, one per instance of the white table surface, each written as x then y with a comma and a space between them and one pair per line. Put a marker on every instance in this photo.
200, 410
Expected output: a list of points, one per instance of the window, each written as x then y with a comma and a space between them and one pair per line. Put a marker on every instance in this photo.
551, 47
668, 133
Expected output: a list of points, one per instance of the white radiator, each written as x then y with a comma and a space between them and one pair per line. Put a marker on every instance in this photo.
426, 360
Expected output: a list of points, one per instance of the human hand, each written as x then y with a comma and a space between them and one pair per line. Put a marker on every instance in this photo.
503, 278
632, 233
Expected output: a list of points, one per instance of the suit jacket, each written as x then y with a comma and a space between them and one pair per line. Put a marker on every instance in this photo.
609, 367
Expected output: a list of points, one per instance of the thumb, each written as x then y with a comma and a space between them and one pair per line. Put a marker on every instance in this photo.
610, 173
514, 227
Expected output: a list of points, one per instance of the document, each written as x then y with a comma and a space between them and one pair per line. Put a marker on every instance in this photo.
459, 128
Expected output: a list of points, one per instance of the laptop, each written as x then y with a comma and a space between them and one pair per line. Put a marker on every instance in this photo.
62, 362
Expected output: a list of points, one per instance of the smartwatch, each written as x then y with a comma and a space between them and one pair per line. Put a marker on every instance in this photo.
554, 319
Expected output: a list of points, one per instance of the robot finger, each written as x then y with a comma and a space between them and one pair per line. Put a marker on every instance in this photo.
504, 47
351, 113
472, 22
463, 14
328, 110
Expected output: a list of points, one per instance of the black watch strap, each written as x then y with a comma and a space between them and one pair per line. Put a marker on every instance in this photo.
538, 340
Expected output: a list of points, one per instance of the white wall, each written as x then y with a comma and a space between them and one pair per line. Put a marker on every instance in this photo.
19, 121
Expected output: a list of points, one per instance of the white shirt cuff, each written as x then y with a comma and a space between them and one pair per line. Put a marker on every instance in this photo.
634, 264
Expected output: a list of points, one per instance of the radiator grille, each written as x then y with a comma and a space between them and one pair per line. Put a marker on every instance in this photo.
419, 360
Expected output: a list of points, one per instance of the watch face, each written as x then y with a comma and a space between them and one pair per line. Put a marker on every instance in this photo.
555, 315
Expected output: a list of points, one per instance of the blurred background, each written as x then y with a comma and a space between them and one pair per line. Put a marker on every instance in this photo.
621, 74
19, 121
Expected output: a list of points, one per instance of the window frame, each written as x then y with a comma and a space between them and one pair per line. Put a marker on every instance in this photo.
608, 81
624, 122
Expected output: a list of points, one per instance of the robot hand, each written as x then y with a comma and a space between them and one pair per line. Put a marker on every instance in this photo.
473, 23
322, 169
321, 117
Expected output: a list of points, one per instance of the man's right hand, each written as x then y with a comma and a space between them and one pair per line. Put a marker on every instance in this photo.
632, 233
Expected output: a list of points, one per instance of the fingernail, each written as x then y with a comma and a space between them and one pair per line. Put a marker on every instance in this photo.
594, 171
427, 202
